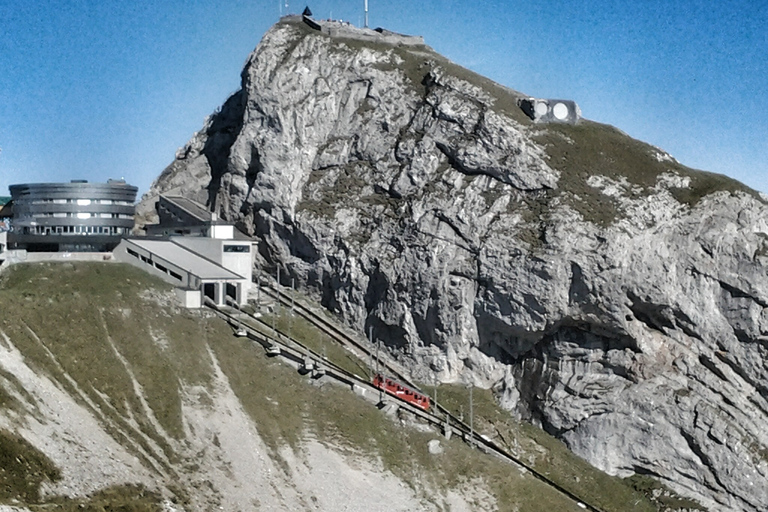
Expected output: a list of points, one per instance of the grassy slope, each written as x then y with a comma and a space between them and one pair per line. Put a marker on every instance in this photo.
72, 308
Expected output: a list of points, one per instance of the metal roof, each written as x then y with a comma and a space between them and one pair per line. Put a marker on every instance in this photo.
193, 208
185, 259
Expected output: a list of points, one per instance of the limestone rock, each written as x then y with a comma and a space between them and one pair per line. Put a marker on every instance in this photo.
604, 291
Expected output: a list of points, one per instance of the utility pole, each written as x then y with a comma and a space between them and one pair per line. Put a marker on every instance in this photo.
377, 357
366, 14
290, 317
293, 292
258, 288
370, 354
276, 311
277, 293
471, 416
274, 316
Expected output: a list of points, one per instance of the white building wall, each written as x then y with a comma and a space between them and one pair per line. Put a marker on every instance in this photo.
223, 231
239, 263
191, 299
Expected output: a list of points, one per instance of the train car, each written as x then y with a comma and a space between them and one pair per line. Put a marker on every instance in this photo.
401, 391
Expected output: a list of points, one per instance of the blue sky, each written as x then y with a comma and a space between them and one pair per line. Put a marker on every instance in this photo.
106, 89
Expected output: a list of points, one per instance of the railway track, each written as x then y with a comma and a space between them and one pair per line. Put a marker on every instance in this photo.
441, 417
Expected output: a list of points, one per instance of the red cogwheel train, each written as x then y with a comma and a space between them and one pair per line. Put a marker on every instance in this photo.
401, 391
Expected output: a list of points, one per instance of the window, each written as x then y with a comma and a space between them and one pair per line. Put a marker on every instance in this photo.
237, 248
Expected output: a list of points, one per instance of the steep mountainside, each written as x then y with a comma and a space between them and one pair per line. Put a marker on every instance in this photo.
112, 398
600, 288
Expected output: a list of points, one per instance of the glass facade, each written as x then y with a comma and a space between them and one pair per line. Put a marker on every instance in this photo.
73, 217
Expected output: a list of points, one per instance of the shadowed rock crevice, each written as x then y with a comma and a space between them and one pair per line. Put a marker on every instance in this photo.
221, 134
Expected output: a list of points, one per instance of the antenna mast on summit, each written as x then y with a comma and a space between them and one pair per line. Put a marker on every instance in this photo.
366, 14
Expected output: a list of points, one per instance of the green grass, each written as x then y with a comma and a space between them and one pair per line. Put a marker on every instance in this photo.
127, 498
81, 314
661, 496
286, 409
317, 341
586, 149
22, 469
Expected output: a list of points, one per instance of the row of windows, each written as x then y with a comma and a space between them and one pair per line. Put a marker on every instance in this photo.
155, 264
80, 202
74, 230
79, 215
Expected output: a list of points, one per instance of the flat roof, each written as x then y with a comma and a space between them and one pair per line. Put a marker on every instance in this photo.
186, 259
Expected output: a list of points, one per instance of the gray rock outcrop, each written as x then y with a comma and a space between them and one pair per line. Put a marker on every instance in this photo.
605, 292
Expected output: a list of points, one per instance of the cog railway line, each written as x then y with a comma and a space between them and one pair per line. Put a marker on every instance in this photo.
276, 342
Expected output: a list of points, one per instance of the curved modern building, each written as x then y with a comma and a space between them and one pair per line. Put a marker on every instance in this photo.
71, 217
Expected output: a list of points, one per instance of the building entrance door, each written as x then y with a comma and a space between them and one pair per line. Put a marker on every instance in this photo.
209, 290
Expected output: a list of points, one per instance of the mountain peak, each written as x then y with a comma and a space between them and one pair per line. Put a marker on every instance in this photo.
580, 273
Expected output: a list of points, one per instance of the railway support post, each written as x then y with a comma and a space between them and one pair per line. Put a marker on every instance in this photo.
471, 416
370, 354
290, 317
258, 287
293, 291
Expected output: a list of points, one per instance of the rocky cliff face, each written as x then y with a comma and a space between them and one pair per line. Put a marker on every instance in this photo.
602, 289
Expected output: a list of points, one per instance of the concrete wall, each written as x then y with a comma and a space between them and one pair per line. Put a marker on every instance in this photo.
22, 256
191, 299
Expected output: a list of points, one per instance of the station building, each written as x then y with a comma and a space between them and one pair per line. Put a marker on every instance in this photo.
191, 248
71, 217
